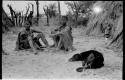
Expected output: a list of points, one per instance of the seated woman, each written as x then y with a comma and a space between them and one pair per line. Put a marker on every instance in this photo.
27, 40
63, 37
55, 37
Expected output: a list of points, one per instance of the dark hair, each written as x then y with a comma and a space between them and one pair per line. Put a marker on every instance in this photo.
64, 24
64, 18
31, 12
27, 25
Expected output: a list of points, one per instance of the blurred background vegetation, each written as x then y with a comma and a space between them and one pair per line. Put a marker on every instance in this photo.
93, 16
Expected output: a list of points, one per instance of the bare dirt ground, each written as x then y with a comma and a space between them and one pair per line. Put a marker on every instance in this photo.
54, 64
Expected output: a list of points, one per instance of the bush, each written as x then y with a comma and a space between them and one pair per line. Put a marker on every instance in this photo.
80, 20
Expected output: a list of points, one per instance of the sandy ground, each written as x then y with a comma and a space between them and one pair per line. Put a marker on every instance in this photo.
54, 64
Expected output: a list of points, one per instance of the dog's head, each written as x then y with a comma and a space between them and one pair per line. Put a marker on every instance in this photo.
75, 57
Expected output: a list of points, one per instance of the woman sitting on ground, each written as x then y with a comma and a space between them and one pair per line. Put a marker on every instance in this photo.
27, 40
62, 37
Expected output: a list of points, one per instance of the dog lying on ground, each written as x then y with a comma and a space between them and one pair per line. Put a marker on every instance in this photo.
91, 59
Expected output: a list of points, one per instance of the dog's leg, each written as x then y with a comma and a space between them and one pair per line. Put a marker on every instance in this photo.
80, 69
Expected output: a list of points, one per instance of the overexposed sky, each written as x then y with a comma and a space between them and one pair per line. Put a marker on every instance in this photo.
21, 6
